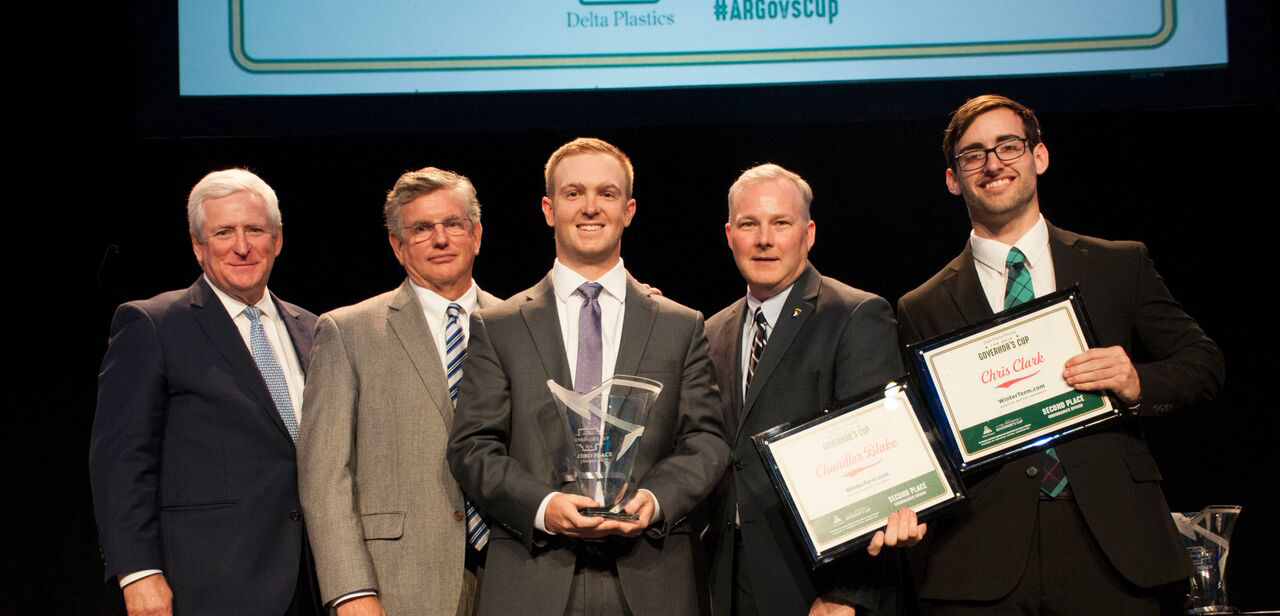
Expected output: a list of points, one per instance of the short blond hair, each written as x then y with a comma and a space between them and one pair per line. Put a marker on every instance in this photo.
770, 172
587, 145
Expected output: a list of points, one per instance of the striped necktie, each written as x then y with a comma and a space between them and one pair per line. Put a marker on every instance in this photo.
757, 344
455, 350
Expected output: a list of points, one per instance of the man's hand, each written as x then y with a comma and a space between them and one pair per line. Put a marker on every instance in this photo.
149, 596
562, 518
900, 530
642, 504
1108, 368
367, 605
823, 607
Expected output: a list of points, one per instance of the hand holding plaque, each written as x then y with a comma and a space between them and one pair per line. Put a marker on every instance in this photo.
603, 428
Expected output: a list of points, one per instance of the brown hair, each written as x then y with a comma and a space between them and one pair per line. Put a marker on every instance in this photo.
963, 117
587, 145
414, 184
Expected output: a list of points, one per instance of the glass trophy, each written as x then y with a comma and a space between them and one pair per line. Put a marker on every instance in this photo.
603, 428
1207, 535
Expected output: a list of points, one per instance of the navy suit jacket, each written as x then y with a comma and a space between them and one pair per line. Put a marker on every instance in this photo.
978, 553
192, 468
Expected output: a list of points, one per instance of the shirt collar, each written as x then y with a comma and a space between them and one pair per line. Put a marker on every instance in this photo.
772, 306
235, 307
437, 307
994, 254
565, 281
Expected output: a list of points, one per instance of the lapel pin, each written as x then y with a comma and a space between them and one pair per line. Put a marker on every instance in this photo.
797, 312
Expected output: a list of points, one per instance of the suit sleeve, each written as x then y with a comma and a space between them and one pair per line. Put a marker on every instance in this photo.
907, 332
868, 356
326, 457
701, 453
125, 448
478, 441
1185, 366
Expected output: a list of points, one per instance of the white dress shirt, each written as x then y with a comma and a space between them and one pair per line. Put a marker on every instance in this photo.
436, 309
772, 310
990, 258
612, 300
281, 345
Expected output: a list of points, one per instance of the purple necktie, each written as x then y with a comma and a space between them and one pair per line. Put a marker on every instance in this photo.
590, 349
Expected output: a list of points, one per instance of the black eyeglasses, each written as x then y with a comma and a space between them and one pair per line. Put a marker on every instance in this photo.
1007, 151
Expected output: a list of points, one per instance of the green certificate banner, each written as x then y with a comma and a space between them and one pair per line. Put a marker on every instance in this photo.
330, 46
1002, 387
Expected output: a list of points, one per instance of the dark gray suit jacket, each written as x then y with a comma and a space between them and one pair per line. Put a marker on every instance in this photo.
192, 468
507, 444
978, 552
831, 342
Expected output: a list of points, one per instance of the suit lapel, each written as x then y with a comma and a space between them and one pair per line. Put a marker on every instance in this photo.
965, 289
727, 356
212, 318
797, 309
539, 312
637, 322
409, 324
1068, 258
300, 337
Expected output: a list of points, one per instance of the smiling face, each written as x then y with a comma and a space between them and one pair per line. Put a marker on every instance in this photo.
237, 245
1001, 195
434, 259
770, 236
589, 208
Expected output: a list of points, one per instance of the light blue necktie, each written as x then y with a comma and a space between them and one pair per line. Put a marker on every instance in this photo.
270, 370
455, 350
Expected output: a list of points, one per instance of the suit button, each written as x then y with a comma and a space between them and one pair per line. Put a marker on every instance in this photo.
295, 516
1032, 471
457, 515
737, 466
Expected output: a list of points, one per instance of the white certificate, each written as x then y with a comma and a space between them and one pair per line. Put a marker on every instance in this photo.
843, 475
1002, 387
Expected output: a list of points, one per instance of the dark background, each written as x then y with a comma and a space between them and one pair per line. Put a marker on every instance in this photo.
1182, 160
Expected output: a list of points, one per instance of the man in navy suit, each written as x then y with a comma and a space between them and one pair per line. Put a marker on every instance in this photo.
192, 456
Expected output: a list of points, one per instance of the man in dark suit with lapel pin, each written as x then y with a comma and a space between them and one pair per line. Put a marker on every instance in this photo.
796, 343
192, 456
1083, 527
585, 322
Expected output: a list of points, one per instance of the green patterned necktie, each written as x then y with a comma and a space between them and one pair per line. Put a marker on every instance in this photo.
1018, 290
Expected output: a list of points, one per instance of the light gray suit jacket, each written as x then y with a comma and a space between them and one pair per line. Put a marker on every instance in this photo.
383, 512
507, 445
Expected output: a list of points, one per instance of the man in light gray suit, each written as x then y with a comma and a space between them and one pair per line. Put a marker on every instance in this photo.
585, 322
389, 529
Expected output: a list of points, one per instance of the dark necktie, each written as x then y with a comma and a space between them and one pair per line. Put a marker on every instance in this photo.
1018, 290
757, 344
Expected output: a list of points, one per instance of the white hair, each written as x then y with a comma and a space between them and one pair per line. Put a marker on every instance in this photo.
227, 182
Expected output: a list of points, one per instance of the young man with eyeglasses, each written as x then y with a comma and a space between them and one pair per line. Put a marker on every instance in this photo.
392, 533
1082, 528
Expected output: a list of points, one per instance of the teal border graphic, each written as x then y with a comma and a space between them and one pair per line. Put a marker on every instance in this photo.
684, 58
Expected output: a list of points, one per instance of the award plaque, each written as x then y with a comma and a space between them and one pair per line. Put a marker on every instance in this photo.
842, 472
603, 428
995, 388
